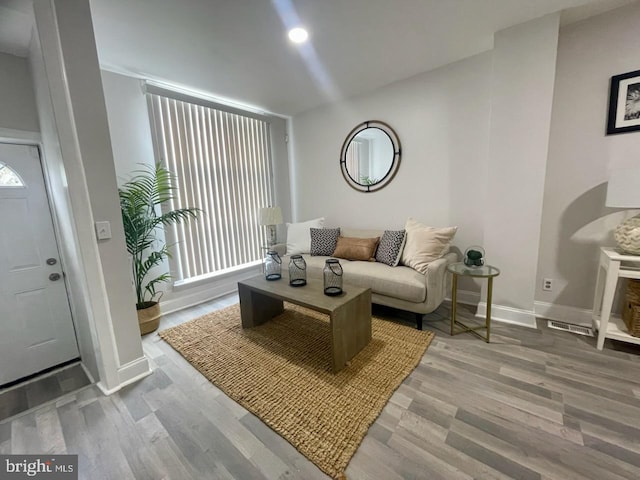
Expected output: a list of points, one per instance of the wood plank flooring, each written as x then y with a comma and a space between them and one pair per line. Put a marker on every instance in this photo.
533, 404
41, 389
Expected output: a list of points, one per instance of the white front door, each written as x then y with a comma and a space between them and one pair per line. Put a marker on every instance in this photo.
36, 330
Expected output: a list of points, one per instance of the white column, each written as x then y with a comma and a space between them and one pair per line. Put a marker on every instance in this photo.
65, 31
524, 65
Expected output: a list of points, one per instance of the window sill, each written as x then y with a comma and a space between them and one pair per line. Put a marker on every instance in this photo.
217, 276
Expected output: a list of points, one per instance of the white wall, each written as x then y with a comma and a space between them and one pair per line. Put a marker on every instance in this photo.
575, 222
543, 185
442, 120
17, 99
447, 120
128, 124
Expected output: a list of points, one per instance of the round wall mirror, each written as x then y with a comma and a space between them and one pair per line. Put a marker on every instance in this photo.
370, 156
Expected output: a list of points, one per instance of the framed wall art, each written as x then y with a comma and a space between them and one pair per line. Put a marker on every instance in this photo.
624, 103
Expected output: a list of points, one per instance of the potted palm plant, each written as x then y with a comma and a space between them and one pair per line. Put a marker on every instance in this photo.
140, 201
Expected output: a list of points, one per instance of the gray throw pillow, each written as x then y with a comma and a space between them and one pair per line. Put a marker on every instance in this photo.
324, 241
390, 247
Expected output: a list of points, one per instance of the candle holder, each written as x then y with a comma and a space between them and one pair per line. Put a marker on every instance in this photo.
272, 266
332, 274
297, 271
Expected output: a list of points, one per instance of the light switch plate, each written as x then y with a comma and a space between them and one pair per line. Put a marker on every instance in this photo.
103, 230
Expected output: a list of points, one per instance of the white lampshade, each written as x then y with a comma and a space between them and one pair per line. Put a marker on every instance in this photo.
623, 189
270, 216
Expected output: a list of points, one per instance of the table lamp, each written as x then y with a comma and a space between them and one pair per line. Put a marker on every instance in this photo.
270, 217
623, 191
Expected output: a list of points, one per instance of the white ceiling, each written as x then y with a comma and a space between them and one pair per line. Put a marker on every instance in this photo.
238, 49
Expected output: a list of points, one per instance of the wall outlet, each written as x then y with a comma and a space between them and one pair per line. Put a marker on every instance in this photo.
547, 284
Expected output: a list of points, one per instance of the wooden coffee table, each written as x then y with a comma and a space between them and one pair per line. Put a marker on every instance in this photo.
349, 313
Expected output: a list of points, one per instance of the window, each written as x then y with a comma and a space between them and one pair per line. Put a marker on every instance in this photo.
9, 178
222, 159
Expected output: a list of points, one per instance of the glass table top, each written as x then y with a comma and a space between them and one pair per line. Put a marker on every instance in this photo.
460, 268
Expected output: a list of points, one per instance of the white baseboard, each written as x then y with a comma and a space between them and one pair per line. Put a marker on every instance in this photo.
563, 313
133, 371
499, 313
551, 311
129, 373
515, 316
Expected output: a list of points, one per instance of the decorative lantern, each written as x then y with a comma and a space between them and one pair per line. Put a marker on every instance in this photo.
272, 266
332, 274
297, 271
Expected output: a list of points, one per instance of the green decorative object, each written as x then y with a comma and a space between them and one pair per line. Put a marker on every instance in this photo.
474, 256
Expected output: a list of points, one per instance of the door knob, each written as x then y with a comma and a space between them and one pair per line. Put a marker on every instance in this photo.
54, 276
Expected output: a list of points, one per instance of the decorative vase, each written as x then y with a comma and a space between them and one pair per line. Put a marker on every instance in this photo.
149, 317
627, 235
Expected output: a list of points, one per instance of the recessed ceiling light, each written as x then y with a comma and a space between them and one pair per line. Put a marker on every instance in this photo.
298, 35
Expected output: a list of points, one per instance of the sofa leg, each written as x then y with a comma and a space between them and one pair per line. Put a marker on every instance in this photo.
419, 318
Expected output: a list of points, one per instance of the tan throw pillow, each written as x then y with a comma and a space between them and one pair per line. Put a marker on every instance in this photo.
425, 244
356, 248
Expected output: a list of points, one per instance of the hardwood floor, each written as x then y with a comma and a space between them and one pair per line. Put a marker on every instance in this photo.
533, 404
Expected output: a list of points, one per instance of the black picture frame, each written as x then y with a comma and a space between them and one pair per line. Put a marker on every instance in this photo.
624, 103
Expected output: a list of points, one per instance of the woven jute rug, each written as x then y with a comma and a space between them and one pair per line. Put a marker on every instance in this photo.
281, 371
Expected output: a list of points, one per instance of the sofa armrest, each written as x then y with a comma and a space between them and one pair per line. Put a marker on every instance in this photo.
438, 282
281, 248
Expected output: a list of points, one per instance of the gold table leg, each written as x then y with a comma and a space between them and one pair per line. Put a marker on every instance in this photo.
454, 295
466, 328
488, 317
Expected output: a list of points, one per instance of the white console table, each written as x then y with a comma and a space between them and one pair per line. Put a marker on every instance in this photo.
612, 267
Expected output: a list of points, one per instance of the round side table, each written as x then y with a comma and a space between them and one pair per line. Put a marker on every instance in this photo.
485, 271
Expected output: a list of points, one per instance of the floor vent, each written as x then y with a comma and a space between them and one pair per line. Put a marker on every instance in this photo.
568, 327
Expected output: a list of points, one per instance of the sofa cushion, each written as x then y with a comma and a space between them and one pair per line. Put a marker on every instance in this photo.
390, 247
400, 282
299, 235
356, 248
324, 240
425, 244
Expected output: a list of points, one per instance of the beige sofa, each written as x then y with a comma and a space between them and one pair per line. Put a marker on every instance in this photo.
399, 287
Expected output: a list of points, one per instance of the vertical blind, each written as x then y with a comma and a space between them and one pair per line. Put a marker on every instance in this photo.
222, 160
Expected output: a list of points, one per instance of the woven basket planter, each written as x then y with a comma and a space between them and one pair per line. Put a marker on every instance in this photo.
631, 311
149, 318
